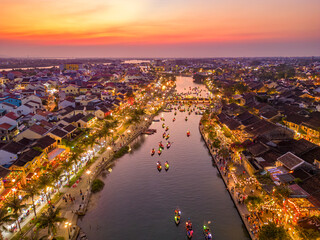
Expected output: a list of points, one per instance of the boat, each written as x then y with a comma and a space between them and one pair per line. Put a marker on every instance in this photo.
207, 232
159, 167
167, 137
167, 128
161, 146
166, 166
164, 135
188, 133
177, 216
159, 152
163, 125
186, 119
168, 145
152, 152
173, 119
189, 229
175, 113
156, 120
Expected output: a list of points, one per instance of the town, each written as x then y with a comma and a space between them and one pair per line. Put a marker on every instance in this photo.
63, 122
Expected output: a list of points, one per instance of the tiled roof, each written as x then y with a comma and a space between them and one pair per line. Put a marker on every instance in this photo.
290, 161
26, 157
45, 142
5, 126
11, 115
59, 133
257, 149
13, 147
69, 128
38, 129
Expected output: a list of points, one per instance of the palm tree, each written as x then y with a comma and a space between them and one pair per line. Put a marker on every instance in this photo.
34, 235
66, 166
4, 218
49, 219
32, 189
44, 182
16, 205
56, 175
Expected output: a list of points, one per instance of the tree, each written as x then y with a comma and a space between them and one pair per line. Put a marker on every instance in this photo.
32, 189
49, 219
44, 182
309, 234
254, 200
282, 192
66, 166
16, 206
224, 152
56, 175
4, 218
272, 232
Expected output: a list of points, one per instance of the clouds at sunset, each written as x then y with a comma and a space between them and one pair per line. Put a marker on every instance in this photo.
41, 25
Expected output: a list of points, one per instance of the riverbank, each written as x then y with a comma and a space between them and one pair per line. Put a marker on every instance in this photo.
80, 205
241, 208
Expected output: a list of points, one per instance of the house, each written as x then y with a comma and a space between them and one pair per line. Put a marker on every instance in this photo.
9, 153
7, 131
28, 161
34, 99
10, 118
70, 89
58, 134
312, 186
46, 143
290, 161
66, 103
4, 172
294, 121
102, 112
12, 99
87, 121
33, 132
312, 127
69, 129
7, 106
71, 120
24, 109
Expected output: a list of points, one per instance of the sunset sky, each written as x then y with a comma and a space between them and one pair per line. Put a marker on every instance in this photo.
159, 28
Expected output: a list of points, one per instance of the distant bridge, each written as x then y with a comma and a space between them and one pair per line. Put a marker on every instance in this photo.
189, 100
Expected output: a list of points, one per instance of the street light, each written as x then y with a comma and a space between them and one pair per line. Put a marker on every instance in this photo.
67, 225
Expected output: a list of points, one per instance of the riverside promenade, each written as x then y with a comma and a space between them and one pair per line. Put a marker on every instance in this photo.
230, 184
75, 199
71, 210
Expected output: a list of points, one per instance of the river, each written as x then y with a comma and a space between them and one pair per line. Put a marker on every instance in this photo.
138, 202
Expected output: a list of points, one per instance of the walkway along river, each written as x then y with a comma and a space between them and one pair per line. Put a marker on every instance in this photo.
138, 202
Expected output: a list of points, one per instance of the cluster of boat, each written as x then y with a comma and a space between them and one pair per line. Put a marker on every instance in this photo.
189, 230
166, 166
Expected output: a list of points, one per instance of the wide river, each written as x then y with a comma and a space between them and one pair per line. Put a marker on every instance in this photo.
138, 202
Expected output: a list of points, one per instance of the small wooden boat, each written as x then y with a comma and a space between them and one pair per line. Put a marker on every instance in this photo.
207, 232
177, 216
166, 166
159, 167
153, 152
189, 229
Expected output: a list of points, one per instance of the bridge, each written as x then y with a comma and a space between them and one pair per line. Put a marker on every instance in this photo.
189, 100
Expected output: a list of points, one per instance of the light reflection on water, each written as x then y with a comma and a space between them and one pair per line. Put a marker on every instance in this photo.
138, 202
